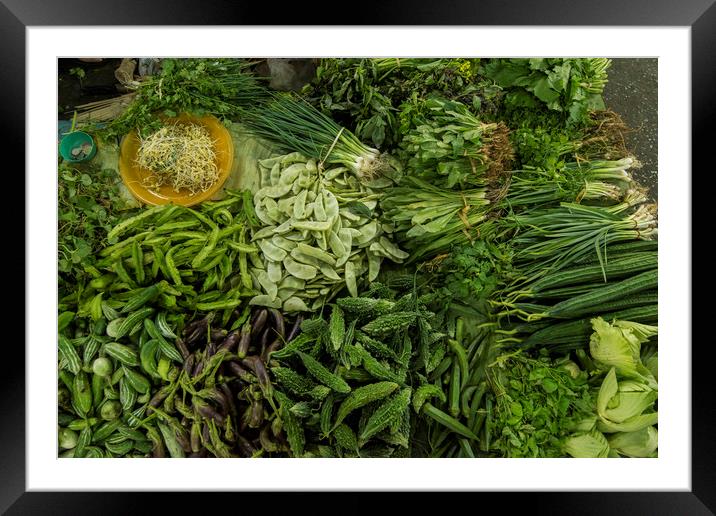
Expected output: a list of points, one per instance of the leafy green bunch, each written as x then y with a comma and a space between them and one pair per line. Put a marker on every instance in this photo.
366, 94
198, 86
569, 87
472, 271
540, 403
450, 146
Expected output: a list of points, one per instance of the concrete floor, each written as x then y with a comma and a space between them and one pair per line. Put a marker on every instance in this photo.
632, 92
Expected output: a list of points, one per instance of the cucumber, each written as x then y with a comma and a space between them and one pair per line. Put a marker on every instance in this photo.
644, 281
616, 268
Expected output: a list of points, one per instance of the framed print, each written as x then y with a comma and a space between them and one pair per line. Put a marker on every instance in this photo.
146, 347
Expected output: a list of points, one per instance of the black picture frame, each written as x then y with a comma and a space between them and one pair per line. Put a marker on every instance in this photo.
699, 15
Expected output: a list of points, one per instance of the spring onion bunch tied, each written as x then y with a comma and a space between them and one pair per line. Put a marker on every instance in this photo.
552, 238
295, 125
597, 181
430, 220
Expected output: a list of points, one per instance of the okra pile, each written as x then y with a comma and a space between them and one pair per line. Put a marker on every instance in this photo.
483, 285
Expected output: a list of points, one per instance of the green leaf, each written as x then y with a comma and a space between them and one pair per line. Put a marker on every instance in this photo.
543, 91
549, 385
590, 445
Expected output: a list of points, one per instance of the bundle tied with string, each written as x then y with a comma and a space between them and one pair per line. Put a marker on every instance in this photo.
430, 220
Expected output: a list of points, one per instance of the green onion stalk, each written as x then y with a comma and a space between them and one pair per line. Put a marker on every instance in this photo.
600, 181
595, 68
430, 220
388, 65
295, 125
550, 239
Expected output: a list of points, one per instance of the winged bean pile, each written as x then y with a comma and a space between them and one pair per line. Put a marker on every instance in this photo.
321, 232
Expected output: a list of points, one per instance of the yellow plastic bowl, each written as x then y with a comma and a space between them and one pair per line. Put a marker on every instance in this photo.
133, 175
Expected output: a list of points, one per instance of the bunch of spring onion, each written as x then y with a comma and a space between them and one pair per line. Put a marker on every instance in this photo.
550, 238
295, 125
430, 220
597, 181
572, 262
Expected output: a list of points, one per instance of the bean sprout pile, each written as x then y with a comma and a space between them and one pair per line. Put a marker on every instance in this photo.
180, 155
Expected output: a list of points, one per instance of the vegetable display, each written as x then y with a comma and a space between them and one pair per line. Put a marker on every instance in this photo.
444, 258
